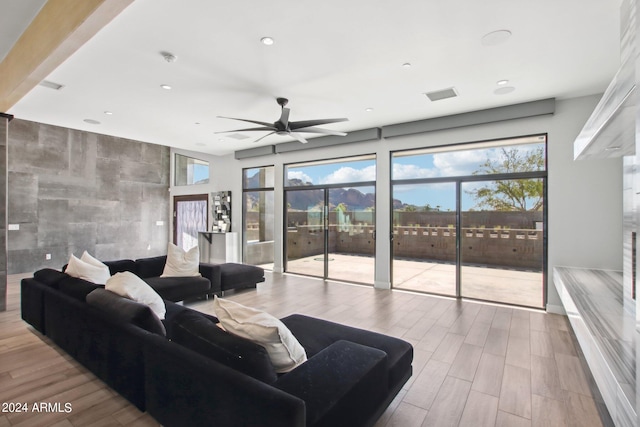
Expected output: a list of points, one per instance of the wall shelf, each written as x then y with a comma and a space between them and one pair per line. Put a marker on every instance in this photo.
607, 335
610, 130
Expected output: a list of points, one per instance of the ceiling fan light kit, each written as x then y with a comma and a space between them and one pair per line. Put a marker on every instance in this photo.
291, 128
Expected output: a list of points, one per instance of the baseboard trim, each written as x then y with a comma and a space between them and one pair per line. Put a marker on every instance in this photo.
556, 309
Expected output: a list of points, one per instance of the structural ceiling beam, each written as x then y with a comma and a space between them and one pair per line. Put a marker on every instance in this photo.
60, 29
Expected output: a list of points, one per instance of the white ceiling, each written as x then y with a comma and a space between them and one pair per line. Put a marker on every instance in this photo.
333, 58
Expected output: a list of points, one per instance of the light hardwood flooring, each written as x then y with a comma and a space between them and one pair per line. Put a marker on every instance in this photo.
474, 365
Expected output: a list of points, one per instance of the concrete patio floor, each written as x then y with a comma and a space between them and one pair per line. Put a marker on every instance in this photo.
492, 284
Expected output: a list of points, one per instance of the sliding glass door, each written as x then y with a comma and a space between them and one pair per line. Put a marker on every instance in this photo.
330, 219
305, 232
424, 245
502, 251
469, 220
258, 218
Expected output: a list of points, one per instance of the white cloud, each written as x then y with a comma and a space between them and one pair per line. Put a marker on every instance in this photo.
299, 175
458, 163
412, 171
349, 174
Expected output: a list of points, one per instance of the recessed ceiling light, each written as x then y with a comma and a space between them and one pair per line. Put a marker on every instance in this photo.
368, 110
165, 87
268, 41
503, 90
496, 37
108, 113
197, 123
406, 65
613, 148
91, 121
502, 82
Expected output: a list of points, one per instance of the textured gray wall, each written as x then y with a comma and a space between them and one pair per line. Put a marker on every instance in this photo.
71, 191
4, 126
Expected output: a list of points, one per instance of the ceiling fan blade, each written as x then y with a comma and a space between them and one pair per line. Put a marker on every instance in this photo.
284, 117
308, 123
249, 129
298, 137
323, 131
247, 120
263, 137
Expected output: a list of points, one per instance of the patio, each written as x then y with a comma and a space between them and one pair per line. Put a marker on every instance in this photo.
486, 283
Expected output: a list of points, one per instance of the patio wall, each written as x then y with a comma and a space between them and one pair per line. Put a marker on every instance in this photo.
493, 238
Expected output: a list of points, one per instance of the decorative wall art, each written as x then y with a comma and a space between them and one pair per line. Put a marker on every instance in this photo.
221, 209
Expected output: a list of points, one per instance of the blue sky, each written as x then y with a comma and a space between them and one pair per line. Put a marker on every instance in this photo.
433, 165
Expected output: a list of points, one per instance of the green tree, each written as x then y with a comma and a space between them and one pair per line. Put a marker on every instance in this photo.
511, 194
341, 207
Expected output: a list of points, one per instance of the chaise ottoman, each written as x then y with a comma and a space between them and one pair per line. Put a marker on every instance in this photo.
239, 276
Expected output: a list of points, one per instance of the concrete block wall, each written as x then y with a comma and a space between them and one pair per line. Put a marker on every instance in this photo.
71, 191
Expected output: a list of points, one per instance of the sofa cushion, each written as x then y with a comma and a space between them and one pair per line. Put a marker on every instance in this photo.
121, 265
201, 334
126, 310
77, 288
179, 288
150, 267
317, 334
87, 271
49, 277
284, 350
181, 263
127, 284
236, 276
343, 385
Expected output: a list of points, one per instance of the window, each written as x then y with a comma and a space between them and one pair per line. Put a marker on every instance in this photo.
190, 171
327, 172
258, 218
469, 220
330, 218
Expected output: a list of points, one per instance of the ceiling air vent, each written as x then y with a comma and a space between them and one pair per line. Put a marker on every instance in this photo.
237, 136
442, 94
51, 85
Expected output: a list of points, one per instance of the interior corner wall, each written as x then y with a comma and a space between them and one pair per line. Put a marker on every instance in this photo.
71, 191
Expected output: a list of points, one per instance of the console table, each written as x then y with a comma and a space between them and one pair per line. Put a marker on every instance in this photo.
218, 248
606, 333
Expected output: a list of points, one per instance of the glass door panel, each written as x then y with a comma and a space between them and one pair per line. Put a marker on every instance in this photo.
305, 232
258, 228
190, 217
351, 234
502, 245
424, 237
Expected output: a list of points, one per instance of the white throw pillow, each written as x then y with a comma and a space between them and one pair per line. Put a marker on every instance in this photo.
262, 328
128, 285
180, 263
86, 271
86, 257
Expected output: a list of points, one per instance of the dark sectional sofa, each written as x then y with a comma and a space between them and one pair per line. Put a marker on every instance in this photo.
215, 279
185, 370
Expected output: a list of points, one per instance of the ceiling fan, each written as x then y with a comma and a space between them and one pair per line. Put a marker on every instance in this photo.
284, 127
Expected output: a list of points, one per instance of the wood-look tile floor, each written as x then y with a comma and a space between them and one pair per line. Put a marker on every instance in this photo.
474, 365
